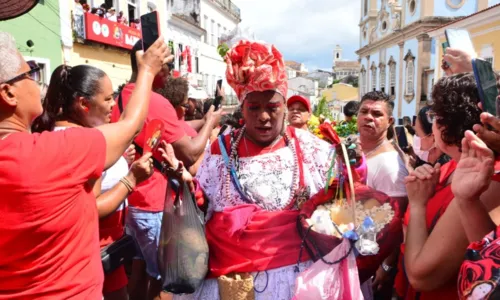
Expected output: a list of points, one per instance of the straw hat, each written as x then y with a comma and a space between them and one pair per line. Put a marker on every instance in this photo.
10, 9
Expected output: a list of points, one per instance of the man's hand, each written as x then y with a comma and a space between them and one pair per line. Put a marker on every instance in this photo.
153, 60
490, 137
213, 117
176, 167
458, 61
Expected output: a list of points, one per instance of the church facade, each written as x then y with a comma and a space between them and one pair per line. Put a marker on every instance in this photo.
396, 53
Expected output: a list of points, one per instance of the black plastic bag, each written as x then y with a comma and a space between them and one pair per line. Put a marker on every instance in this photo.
183, 249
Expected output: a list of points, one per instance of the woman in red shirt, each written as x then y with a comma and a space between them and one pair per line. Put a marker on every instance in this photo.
435, 240
49, 246
479, 276
92, 89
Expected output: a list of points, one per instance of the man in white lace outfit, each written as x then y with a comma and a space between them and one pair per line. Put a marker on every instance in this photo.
386, 167
252, 217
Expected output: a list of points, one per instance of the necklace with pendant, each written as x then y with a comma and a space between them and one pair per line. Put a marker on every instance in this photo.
376, 148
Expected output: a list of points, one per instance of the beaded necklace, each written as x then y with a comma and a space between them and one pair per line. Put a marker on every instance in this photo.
233, 162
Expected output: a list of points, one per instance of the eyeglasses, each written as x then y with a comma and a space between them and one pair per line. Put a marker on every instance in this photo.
431, 116
33, 74
186, 105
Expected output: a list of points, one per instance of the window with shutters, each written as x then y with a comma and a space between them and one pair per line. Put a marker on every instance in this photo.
374, 77
409, 89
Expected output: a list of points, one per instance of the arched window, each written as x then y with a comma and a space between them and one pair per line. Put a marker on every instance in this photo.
392, 78
410, 71
382, 77
374, 77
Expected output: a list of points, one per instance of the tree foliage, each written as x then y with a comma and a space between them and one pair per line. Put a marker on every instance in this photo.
322, 109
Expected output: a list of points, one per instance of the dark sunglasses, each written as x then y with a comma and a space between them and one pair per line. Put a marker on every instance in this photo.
33, 74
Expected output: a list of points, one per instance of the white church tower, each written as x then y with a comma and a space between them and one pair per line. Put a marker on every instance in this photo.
337, 54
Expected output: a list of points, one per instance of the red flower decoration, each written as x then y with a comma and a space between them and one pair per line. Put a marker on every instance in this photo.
255, 67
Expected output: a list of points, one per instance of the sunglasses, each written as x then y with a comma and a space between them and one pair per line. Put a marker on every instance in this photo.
33, 74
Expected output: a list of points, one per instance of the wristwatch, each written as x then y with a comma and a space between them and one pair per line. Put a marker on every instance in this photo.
386, 267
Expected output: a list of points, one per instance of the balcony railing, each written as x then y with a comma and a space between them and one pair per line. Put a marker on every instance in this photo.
96, 29
230, 7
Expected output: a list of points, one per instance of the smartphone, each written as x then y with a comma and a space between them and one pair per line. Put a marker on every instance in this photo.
401, 136
486, 86
150, 29
400, 122
414, 121
218, 97
219, 86
460, 39
223, 129
445, 45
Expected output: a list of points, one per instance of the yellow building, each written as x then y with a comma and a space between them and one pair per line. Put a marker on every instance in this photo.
104, 43
484, 29
337, 97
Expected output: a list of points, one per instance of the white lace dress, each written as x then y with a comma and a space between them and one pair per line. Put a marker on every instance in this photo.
268, 179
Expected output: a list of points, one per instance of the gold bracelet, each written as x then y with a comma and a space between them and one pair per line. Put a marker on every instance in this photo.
127, 184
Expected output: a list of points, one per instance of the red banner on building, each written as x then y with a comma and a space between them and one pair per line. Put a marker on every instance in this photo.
107, 32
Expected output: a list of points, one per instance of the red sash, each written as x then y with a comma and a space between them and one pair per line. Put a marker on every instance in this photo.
246, 238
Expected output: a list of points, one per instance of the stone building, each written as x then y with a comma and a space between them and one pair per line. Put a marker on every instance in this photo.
396, 52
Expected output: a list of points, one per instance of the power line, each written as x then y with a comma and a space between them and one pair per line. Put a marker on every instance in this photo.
39, 22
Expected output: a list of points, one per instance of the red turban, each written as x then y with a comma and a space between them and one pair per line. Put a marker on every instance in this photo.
255, 67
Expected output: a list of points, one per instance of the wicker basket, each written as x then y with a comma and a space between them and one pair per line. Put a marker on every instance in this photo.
389, 238
236, 287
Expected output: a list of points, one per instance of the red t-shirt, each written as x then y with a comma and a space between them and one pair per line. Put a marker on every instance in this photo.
49, 241
188, 129
435, 208
150, 195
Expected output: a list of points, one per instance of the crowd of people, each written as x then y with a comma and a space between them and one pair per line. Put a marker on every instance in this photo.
106, 12
74, 178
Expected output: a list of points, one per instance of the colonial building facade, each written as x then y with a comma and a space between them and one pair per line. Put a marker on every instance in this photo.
396, 53
484, 30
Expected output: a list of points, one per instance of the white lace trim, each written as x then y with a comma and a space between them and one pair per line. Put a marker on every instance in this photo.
267, 177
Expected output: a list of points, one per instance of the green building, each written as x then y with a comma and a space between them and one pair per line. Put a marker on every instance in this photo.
38, 35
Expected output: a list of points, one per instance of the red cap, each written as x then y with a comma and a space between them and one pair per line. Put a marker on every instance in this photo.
300, 99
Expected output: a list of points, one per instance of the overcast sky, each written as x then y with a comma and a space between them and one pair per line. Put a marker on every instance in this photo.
305, 30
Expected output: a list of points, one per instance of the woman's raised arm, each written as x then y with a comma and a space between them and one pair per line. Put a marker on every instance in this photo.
120, 135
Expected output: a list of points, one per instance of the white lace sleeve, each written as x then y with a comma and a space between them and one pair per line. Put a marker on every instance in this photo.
317, 156
209, 178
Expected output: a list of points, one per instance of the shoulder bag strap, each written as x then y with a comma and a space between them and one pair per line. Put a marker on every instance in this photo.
232, 171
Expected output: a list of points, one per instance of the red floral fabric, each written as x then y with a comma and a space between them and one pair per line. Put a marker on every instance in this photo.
255, 67
479, 275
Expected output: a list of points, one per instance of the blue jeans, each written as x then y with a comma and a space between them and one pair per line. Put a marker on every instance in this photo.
145, 227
